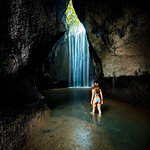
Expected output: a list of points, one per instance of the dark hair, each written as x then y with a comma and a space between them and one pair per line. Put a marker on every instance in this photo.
96, 87
96, 81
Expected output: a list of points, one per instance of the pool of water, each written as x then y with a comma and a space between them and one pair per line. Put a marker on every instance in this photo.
70, 126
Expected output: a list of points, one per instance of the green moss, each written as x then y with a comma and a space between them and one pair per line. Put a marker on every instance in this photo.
72, 20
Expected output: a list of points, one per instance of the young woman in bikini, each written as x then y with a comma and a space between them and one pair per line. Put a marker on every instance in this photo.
97, 97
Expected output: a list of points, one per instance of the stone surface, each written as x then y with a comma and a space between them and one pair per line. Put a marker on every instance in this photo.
119, 34
16, 125
57, 63
29, 31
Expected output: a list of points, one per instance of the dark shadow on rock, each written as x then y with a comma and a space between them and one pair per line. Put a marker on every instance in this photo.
46, 131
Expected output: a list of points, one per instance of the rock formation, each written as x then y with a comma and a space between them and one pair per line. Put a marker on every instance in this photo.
118, 34
29, 30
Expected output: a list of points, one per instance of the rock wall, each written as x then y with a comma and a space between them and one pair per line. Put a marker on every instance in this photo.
57, 63
119, 34
16, 125
55, 70
29, 30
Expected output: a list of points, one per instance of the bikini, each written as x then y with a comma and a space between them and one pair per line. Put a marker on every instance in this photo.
97, 99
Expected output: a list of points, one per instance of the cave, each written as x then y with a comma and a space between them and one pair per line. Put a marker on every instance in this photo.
69, 63
39, 110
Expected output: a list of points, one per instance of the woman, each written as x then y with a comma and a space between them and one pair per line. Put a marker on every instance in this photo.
97, 97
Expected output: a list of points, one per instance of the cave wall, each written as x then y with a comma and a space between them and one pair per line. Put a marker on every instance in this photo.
55, 69
16, 125
118, 32
57, 62
29, 30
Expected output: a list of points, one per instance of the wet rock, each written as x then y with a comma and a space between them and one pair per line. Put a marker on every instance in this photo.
29, 31
16, 125
119, 34
57, 62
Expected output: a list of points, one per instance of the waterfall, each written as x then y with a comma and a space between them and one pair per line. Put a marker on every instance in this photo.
78, 58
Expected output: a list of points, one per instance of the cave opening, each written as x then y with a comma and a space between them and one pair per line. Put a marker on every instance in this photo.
69, 63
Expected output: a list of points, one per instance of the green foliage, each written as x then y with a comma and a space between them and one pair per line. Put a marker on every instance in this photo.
72, 20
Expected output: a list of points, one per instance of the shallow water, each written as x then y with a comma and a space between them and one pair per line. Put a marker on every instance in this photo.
70, 126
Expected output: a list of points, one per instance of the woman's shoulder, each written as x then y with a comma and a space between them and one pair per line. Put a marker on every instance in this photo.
93, 89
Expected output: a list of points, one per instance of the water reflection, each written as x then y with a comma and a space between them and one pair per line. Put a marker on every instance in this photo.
71, 126
81, 136
96, 118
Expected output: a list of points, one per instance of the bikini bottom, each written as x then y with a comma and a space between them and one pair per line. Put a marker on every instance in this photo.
97, 100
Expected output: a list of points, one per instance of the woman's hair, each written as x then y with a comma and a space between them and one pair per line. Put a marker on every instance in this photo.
96, 87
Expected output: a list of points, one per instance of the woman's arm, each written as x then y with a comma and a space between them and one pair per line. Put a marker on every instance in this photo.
92, 97
101, 96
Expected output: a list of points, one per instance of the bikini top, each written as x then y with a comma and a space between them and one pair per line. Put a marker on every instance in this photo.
96, 94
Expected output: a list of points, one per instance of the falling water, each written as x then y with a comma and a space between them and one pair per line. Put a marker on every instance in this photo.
78, 58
